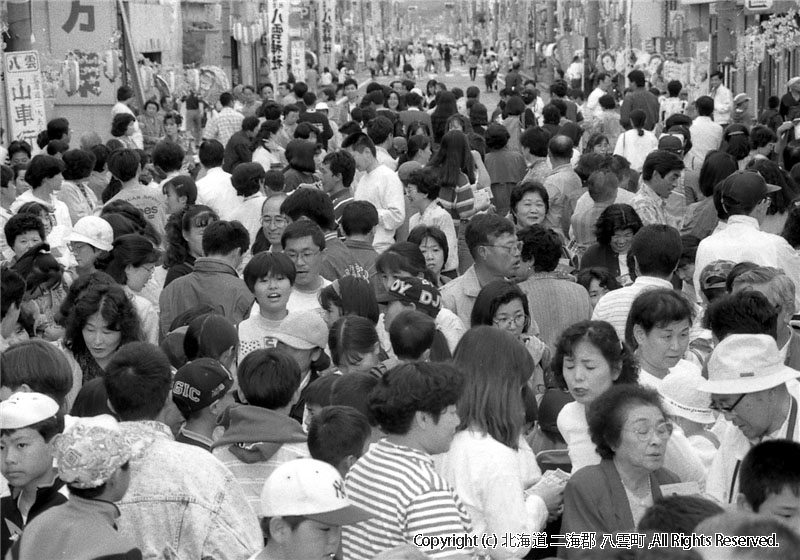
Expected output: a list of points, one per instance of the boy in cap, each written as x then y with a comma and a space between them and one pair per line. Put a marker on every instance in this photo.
201, 392
303, 507
744, 198
757, 394
260, 435
28, 424
302, 335
93, 459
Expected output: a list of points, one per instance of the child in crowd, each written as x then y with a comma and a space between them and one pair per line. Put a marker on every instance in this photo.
412, 335
337, 436
44, 289
769, 481
23, 232
273, 181
260, 435
354, 344
93, 459
180, 192
28, 424
201, 391
318, 396
270, 276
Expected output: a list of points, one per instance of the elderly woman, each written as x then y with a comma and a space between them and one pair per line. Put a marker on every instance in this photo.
628, 425
529, 204
615, 229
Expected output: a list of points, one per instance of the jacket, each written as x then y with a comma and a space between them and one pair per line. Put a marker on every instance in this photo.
213, 282
182, 500
12, 523
255, 443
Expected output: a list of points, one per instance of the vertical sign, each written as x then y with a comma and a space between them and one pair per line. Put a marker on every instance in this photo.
25, 95
298, 58
80, 35
326, 22
278, 33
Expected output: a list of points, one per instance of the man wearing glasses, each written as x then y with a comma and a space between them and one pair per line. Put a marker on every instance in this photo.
497, 255
745, 199
758, 396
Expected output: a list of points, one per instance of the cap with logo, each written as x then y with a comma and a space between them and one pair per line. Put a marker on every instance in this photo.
681, 397
715, 274
746, 363
312, 489
744, 190
671, 144
199, 384
94, 231
304, 330
21, 410
90, 451
424, 295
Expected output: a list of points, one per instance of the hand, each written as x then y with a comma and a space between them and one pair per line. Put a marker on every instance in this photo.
788, 125
553, 497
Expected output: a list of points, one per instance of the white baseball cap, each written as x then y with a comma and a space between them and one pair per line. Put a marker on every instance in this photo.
312, 489
746, 363
93, 230
681, 397
25, 409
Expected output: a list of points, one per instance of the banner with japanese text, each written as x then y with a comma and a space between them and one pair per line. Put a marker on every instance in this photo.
278, 37
25, 95
298, 58
83, 37
326, 24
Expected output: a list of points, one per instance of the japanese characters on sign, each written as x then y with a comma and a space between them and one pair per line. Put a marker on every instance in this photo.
26, 114
278, 37
326, 22
298, 57
89, 63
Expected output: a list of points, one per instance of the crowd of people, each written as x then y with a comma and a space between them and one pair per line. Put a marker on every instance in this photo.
394, 325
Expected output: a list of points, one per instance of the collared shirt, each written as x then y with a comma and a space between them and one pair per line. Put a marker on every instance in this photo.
227, 123
538, 170
615, 306
385, 158
383, 188
411, 499
216, 191
742, 240
650, 207
560, 183
459, 295
706, 136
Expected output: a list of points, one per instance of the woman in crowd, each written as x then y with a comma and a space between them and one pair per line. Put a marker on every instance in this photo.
529, 204
597, 144
89, 242
515, 107
75, 193
44, 289
628, 425
185, 240
19, 153
658, 330
354, 344
445, 108
636, 143
506, 167
123, 127
101, 318
394, 102
701, 217
598, 282
433, 244
132, 261
489, 463
458, 122
349, 295
737, 143
418, 128
301, 168
266, 150
151, 125
418, 150
615, 229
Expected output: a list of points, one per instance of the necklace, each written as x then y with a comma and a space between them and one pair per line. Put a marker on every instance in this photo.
641, 499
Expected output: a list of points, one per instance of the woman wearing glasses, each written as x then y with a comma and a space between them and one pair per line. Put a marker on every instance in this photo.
133, 259
185, 240
628, 425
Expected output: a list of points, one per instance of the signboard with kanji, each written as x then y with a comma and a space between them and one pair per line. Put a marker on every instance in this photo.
326, 24
25, 94
278, 37
80, 36
298, 58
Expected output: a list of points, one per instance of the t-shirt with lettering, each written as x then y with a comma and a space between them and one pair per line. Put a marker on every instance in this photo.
257, 332
147, 199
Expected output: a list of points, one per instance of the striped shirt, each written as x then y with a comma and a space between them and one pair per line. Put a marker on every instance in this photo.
401, 488
615, 306
457, 200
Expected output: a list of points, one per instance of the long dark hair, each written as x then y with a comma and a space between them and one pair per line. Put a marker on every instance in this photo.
453, 159
177, 249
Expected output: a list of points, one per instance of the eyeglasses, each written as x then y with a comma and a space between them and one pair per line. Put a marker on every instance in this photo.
203, 220
645, 431
505, 322
305, 255
727, 409
277, 222
149, 268
77, 246
510, 249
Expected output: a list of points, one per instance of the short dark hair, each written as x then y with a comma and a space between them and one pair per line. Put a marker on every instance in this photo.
359, 142
603, 337
359, 218
353, 390
12, 293
290, 108
662, 161
226, 99
603, 276
138, 381
300, 89
497, 136
211, 153
606, 415
657, 308
410, 388
274, 181
426, 180
542, 245
677, 514
379, 129
341, 163
491, 297
704, 105
411, 334
354, 295
637, 77
47, 428
419, 233
266, 264
337, 432
268, 378
350, 337
124, 93
481, 226
183, 185
42, 167
247, 178
22, 223
250, 123
748, 312
312, 204
120, 124
768, 468
101, 153
520, 190
124, 164
303, 228
37, 364
657, 249
614, 218
318, 392
78, 164
222, 237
